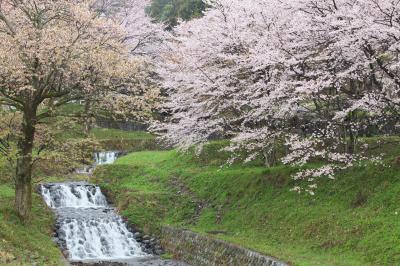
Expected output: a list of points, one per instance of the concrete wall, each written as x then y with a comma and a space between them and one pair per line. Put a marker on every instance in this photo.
199, 250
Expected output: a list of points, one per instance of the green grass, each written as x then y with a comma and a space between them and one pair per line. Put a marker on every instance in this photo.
111, 139
115, 139
30, 243
103, 134
71, 108
353, 220
109, 133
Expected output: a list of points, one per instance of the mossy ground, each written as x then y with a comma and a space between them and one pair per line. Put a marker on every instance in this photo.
353, 220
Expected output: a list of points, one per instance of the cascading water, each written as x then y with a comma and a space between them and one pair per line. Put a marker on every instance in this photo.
87, 227
106, 157
73, 195
101, 157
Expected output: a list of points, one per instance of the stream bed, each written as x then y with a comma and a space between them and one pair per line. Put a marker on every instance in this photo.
89, 231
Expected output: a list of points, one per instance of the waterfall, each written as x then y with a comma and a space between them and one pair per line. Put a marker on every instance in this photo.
101, 157
73, 195
89, 230
105, 157
86, 226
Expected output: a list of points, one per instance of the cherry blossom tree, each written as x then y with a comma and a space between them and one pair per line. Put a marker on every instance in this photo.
332, 68
311, 75
207, 70
145, 41
52, 53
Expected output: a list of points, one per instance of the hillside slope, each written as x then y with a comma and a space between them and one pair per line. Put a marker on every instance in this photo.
351, 221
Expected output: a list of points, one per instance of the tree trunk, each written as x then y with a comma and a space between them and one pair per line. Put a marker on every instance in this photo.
266, 159
23, 180
269, 158
352, 142
88, 118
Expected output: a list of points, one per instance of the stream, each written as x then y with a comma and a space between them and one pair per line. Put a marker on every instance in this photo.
90, 232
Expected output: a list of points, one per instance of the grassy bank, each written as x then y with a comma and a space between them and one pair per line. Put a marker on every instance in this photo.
74, 149
115, 139
110, 133
351, 221
26, 244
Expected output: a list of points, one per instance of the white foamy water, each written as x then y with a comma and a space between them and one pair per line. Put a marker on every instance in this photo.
101, 157
73, 195
105, 157
101, 238
86, 226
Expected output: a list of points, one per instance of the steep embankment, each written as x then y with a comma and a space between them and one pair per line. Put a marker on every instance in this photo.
351, 221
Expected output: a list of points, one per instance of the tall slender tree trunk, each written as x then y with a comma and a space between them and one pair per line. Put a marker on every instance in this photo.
88, 117
269, 158
352, 141
23, 180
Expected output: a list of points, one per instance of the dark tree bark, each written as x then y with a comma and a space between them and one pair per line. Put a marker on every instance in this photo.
351, 142
23, 179
88, 117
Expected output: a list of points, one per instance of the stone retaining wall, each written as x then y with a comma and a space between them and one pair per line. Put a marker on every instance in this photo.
199, 250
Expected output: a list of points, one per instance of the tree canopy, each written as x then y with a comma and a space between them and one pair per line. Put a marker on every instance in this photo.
171, 11
311, 75
52, 53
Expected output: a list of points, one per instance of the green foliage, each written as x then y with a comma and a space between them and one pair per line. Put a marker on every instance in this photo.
350, 221
30, 243
170, 11
6, 170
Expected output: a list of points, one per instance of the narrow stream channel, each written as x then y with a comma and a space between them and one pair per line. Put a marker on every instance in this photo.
89, 230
